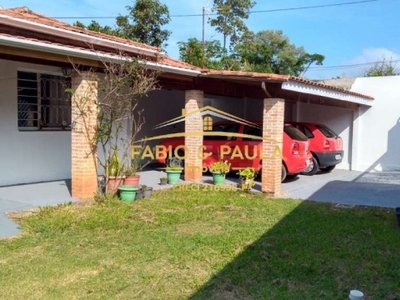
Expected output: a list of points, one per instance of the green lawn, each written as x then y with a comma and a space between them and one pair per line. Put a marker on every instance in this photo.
202, 245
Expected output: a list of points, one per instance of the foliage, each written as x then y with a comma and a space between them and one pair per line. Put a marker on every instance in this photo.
190, 244
247, 176
247, 173
144, 23
114, 165
174, 164
264, 52
111, 98
270, 51
215, 56
95, 26
229, 19
382, 68
221, 167
136, 163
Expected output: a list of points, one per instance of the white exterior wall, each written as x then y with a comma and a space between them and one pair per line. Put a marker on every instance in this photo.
338, 119
28, 156
379, 126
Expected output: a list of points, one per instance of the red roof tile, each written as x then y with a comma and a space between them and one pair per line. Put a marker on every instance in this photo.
168, 61
281, 78
28, 15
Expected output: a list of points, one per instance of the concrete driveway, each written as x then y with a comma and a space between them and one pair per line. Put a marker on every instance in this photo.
339, 186
347, 187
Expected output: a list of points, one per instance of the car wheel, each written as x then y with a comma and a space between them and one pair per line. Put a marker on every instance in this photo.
312, 168
283, 173
328, 169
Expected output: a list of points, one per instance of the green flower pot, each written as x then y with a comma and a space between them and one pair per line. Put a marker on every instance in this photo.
218, 178
174, 176
127, 193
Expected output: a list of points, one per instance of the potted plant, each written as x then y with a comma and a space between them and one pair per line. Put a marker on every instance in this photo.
174, 171
163, 180
127, 193
147, 191
131, 176
140, 193
246, 178
219, 169
114, 172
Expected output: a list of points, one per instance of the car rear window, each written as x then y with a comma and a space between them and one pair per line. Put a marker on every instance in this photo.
229, 128
294, 133
326, 131
250, 130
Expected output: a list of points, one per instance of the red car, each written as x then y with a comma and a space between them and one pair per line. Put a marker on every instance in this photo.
246, 151
325, 145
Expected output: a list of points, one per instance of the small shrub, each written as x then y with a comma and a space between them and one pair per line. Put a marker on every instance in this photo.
221, 167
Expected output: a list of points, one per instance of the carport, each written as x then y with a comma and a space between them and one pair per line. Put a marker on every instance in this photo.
274, 99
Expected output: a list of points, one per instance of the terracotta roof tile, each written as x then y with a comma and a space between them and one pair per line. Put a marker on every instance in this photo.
55, 44
330, 87
280, 78
177, 63
28, 15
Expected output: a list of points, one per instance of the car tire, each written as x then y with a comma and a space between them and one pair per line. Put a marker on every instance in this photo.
328, 169
283, 173
292, 176
312, 169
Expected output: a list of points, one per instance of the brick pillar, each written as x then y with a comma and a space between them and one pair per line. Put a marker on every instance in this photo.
193, 125
84, 175
273, 122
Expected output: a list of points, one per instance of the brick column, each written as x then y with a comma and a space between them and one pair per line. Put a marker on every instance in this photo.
273, 122
84, 175
193, 125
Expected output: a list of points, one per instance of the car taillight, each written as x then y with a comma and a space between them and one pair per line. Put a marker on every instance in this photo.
326, 144
295, 149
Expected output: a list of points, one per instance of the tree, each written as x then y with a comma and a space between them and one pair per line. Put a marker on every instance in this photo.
215, 57
144, 23
270, 51
382, 68
114, 112
95, 26
229, 19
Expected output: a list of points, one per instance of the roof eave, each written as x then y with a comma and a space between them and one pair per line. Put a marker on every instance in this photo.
300, 87
46, 29
87, 54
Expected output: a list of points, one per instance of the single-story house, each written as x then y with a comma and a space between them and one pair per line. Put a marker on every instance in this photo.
35, 60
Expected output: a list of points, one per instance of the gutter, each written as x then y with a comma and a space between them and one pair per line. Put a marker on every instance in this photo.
87, 54
46, 29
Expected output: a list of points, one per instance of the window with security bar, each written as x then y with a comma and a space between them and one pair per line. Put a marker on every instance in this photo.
43, 102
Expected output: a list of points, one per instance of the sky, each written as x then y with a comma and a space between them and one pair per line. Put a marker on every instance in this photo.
349, 36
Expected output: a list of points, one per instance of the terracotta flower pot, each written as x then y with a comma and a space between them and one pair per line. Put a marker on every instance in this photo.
132, 180
114, 183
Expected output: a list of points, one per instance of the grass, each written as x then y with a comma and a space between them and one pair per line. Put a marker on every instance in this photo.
202, 245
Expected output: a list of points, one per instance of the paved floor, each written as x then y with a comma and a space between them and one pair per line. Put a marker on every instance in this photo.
25, 197
339, 186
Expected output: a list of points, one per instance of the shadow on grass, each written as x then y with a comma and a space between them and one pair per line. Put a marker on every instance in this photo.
317, 251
